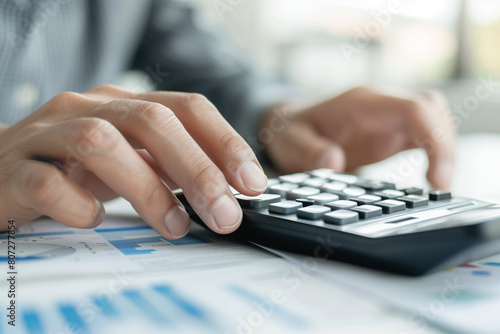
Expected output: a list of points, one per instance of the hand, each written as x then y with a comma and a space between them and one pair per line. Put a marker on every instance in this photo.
363, 126
81, 149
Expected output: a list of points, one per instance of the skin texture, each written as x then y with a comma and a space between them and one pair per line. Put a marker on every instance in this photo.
363, 126
79, 150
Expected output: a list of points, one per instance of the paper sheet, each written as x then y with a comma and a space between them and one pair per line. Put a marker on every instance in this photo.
47, 248
462, 300
124, 278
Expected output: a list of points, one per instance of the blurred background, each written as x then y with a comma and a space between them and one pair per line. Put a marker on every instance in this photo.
328, 46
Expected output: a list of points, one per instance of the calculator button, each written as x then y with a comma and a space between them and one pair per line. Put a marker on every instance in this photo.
390, 205
439, 195
370, 185
341, 217
272, 182
323, 198
297, 178
353, 191
305, 201
341, 205
333, 186
302, 192
312, 212
413, 191
282, 188
257, 202
285, 207
366, 199
314, 182
389, 194
414, 201
321, 172
368, 211
349, 192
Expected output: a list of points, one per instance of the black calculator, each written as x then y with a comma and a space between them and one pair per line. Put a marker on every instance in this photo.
368, 222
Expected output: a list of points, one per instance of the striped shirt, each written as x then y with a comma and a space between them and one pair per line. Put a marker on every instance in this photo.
51, 46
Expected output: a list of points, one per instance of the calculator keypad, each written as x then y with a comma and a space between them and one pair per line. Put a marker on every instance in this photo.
322, 196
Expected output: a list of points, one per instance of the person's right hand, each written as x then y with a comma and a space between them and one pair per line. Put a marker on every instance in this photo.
78, 150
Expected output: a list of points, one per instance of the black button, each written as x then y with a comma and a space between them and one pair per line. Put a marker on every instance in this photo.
257, 202
366, 199
413, 191
413, 201
341, 205
389, 194
312, 212
439, 195
368, 211
390, 205
285, 207
341, 217
305, 201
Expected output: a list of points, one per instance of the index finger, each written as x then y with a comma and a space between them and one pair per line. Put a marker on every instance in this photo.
217, 138
426, 121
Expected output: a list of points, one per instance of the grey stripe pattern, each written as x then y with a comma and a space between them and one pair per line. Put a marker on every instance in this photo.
51, 46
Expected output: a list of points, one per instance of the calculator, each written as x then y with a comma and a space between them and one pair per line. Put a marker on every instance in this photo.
368, 222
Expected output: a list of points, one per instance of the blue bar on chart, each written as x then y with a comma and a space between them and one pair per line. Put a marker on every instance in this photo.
73, 319
287, 318
187, 306
142, 304
32, 321
106, 307
129, 240
497, 264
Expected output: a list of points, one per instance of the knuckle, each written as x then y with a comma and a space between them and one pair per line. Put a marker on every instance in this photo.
156, 115
231, 142
33, 128
122, 107
65, 102
67, 99
95, 135
208, 178
106, 88
111, 90
153, 194
195, 101
67, 96
44, 188
151, 111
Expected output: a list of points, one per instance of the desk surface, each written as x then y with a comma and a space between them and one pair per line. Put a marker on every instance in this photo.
212, 289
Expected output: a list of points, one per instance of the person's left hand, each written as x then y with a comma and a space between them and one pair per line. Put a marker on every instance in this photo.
360, 127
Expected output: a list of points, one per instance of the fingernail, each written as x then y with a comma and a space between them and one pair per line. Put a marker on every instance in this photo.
227, 213
99, 213
177, 222
252, 177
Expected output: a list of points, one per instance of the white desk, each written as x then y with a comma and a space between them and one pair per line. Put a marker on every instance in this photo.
262, 294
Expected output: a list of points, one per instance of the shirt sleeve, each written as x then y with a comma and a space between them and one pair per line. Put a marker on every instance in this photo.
181, 55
